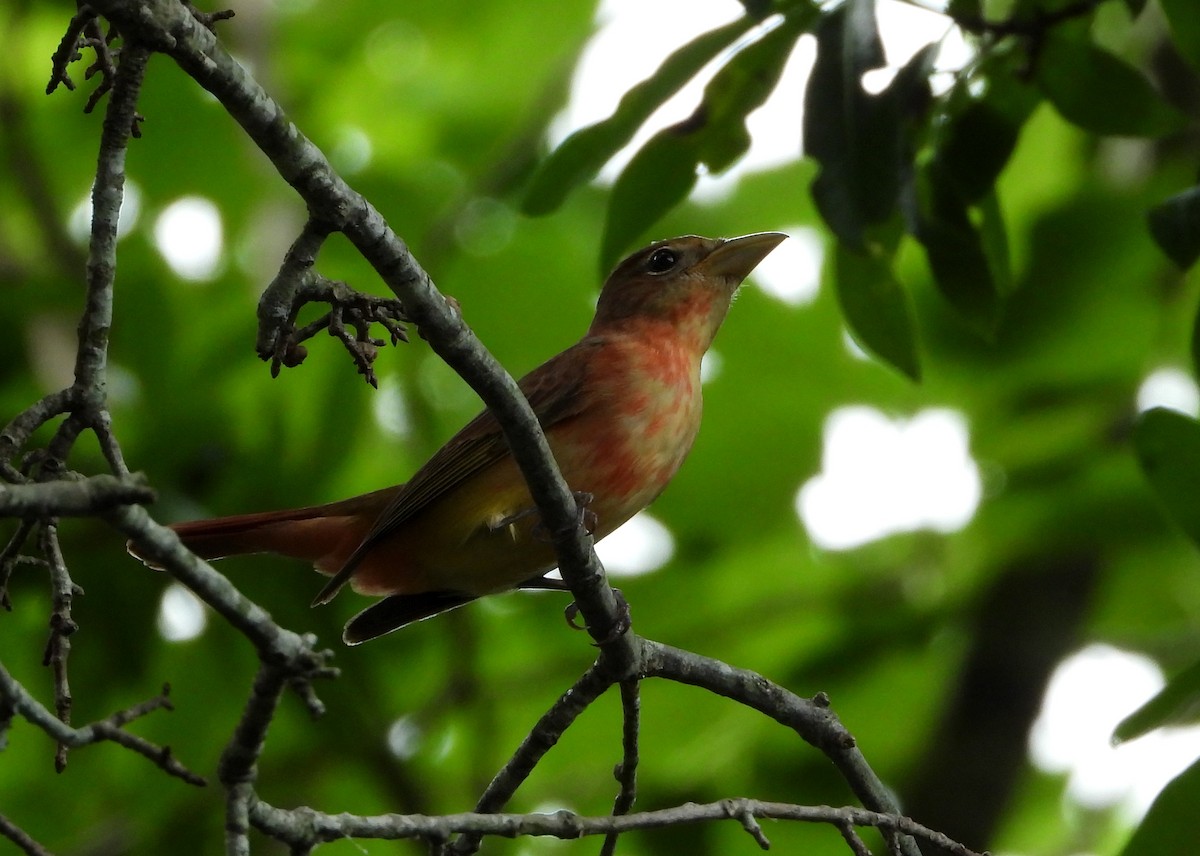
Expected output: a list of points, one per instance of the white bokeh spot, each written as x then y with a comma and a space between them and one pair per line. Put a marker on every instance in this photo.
390, 409
711, 365
792, 272
181, 615
352, 151
1089, 693
404, 738
1169, 387
880, 476
642, 544
188, 234
79, 222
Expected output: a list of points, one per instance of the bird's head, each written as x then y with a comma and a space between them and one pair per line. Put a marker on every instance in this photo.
687, 281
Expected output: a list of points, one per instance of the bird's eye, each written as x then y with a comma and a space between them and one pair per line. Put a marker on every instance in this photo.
661, 260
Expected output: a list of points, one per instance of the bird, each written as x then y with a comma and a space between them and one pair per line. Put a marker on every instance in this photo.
620, 409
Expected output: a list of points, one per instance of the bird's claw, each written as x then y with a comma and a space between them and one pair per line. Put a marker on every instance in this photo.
622, 625
586, 517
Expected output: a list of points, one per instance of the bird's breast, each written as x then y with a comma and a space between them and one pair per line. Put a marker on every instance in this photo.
644, 394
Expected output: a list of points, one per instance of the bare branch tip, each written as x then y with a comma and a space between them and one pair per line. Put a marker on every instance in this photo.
857, 846
208, 19
740, 811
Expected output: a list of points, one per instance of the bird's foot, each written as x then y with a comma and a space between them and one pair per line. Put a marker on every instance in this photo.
587, 518
620, 628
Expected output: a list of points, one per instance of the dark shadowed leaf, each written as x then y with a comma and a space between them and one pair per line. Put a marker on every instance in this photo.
1171, 822
1195, 344
862, 142
1175, 225
877, 308
969, 262
1135, 7
582, 154
1184, 18
1100, 92
980, 133
1168, 449
758, 8
1178, 703
994, 232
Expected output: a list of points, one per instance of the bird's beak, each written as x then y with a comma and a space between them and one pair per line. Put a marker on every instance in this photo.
736, 257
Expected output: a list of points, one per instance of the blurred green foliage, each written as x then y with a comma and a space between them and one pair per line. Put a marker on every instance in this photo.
934, 649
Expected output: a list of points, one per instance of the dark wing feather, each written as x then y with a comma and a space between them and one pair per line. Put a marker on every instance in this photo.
554, 390
396, 611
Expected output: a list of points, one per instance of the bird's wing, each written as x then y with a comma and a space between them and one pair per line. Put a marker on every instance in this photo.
554, 390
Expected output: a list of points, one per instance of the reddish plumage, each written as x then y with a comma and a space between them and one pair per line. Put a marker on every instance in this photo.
620, 409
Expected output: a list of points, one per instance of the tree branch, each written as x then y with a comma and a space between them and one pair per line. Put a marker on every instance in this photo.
812, 719
162, 548
73, 498
307, 827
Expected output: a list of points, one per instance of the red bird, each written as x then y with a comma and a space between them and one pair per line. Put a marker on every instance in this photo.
620, 409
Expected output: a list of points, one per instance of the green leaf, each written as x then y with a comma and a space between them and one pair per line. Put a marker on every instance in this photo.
1171, 821
1135, 7
1178, 703
660, 174
1175, 225
581, 155
664, 171
1168, 449
1185, 27
863, 142
876, 307
741, 87
1100, 92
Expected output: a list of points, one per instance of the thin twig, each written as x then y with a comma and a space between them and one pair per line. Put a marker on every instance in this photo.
740, 811
10, 556
626, 771
13, 695
540, 740
17, 432
68, 50
298, 284
62, 625
850, 835
21, 838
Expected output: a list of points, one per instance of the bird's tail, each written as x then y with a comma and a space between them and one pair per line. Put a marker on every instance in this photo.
321, 534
